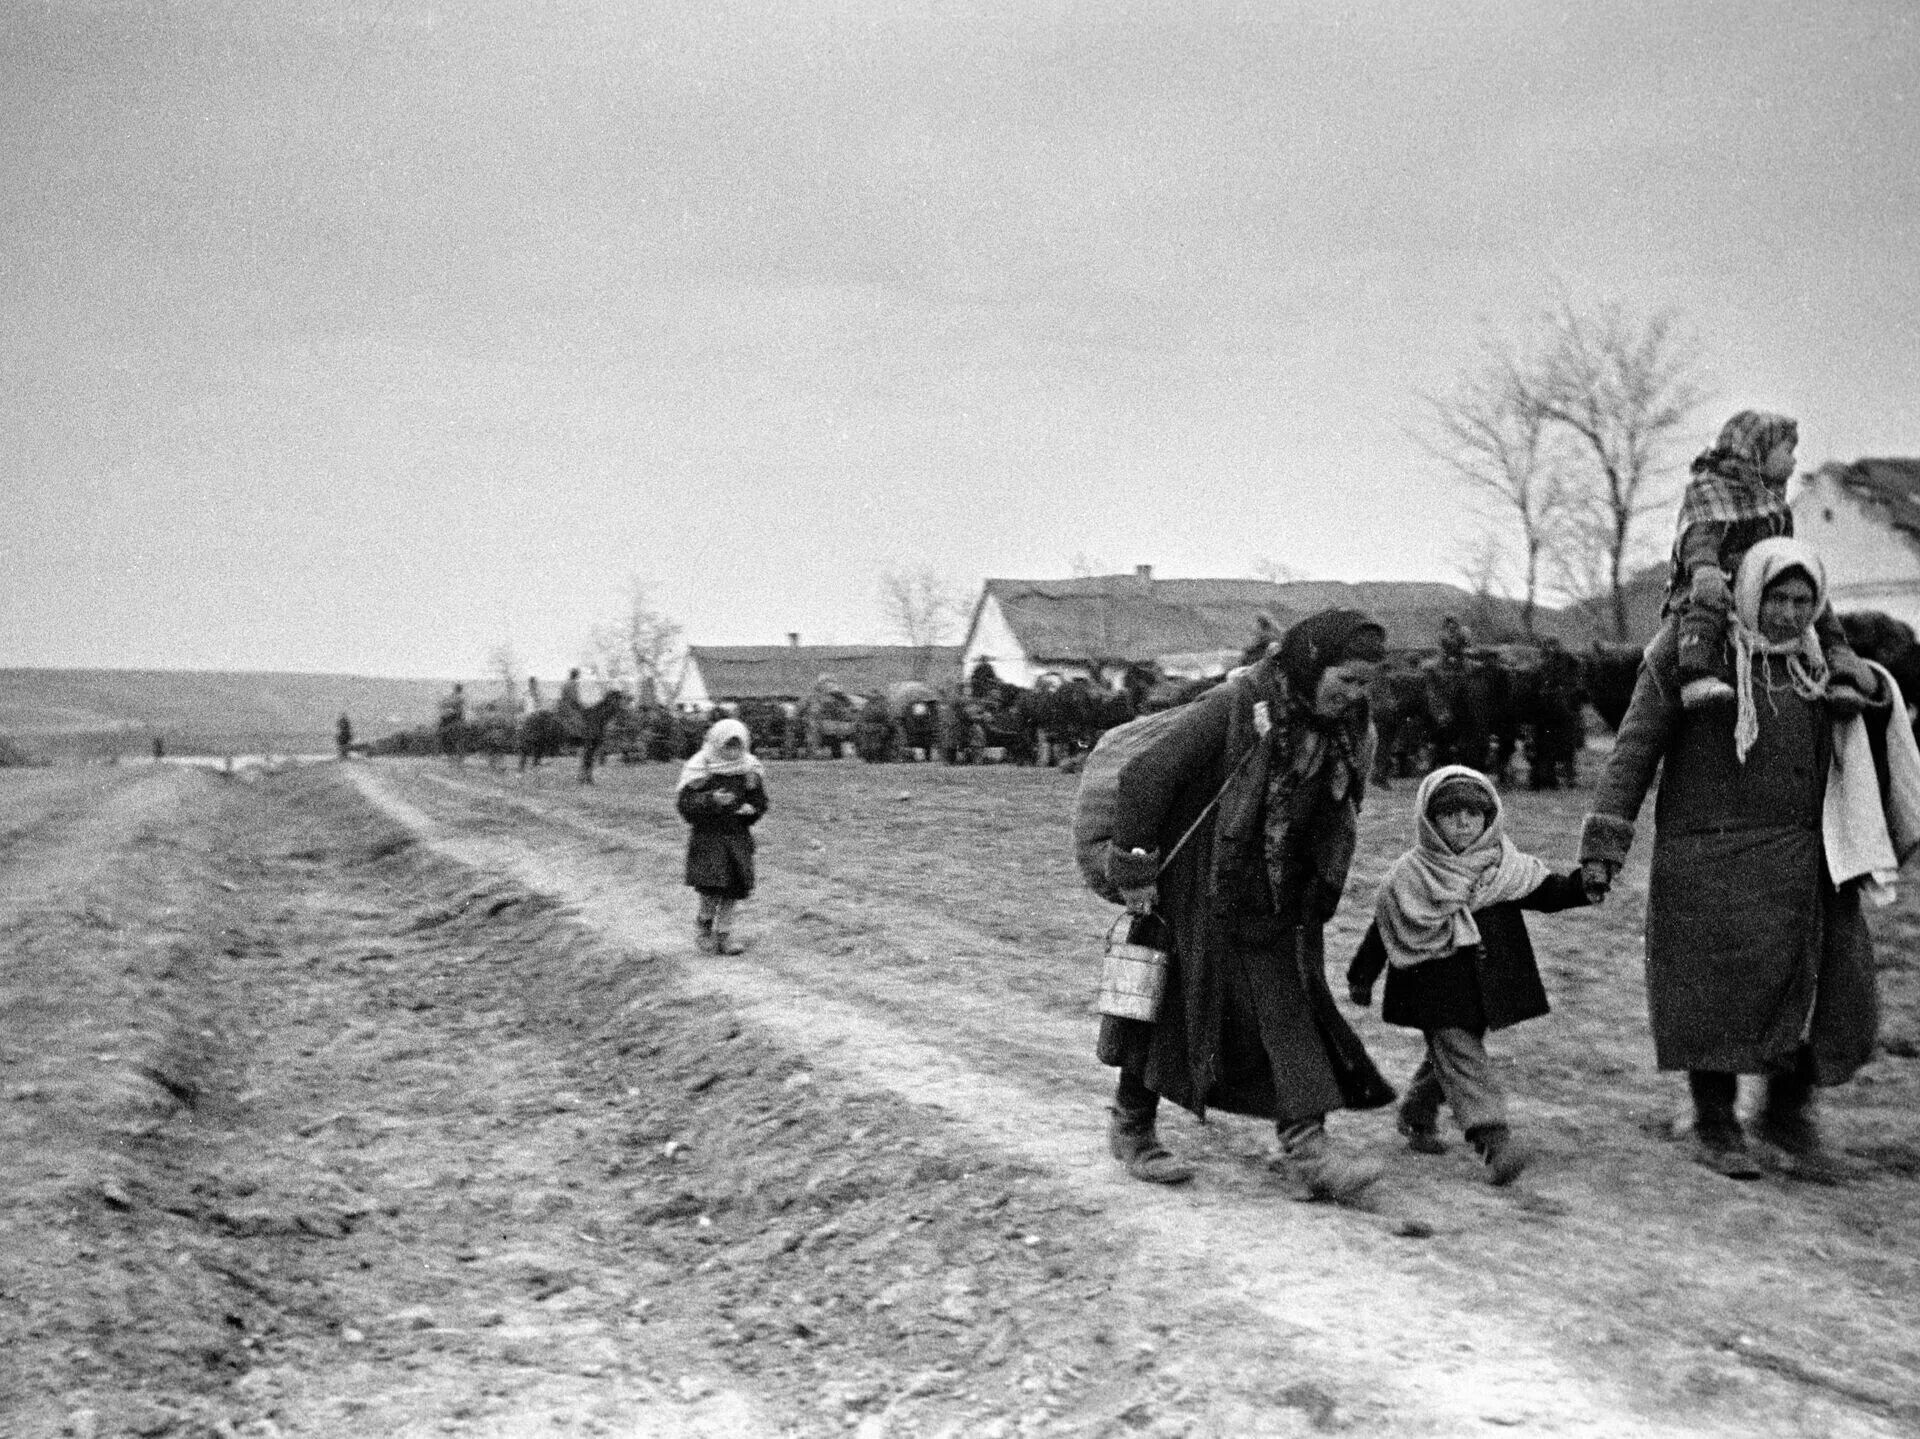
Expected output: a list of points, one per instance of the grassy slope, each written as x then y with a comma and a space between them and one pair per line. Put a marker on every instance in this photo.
97, 712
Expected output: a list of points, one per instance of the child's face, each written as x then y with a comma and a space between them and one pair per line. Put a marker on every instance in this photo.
1460, 827
1779, 465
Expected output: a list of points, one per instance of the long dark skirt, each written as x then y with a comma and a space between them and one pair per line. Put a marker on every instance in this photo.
1285, 1052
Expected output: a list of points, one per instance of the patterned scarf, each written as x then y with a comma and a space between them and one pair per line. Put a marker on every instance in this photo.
1425, 905
1730, 482
1315, 779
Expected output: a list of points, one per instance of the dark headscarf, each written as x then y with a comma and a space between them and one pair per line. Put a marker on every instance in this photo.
1321, 641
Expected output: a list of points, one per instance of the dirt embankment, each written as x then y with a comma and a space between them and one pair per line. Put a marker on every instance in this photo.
316, 1128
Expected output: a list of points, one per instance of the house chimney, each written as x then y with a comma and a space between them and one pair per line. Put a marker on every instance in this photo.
793, 639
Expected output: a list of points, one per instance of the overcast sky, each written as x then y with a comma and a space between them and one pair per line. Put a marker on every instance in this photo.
368, 336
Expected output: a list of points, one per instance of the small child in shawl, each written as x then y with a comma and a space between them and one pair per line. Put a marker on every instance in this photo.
1447, 929
722, 792
1736, 496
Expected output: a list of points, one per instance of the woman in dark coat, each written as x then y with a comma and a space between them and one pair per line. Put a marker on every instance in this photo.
1247, 1023
1756, 962
722, 794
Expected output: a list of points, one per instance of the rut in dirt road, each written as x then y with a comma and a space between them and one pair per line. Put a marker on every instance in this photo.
1340, 1286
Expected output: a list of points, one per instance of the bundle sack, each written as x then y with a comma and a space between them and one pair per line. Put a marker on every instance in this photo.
1098, 796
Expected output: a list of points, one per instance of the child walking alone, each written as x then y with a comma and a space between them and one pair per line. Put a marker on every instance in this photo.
1448, 930
722, 792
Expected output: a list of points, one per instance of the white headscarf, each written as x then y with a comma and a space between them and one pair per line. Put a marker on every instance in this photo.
1806, 665
1425, 906
710, 761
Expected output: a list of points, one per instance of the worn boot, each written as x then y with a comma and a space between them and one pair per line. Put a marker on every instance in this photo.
1333, 1175
703, 939
1421, 1129
1500, 1151
725, 943
1131, 1140
1787, 1126
1718, 1141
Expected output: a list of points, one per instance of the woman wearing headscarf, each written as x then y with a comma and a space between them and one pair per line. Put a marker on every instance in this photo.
1247, 1023
1756, 962
722, 793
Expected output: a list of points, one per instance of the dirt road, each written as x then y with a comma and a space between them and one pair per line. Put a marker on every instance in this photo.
399, 1103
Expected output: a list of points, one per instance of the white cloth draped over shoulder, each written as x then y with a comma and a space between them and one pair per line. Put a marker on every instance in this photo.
1868, 835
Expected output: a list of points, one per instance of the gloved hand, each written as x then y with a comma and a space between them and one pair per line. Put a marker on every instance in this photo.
1855, 673
1596, 878
1709, 589
1141, 900
1360, 994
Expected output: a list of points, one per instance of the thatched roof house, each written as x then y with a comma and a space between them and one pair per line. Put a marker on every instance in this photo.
716, 674
1025, 628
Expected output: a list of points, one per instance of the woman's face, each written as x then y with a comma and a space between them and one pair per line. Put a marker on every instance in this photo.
1786, 609
1342, 686
731, 748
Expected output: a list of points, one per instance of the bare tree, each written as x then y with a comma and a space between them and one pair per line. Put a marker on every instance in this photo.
1622, 388
504, 665
1498, 442
641, 646
922, 609
1084, 566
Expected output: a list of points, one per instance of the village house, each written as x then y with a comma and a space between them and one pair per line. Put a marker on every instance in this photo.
723, 674
1096, 625
1864, 520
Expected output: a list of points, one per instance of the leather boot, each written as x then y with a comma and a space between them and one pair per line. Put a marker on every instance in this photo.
1131, 1140
1718, 1141
1329, 1174
1420, 1127
1500, 1152
1787, 1125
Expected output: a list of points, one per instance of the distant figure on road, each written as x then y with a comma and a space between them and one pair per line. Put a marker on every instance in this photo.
1454, 643
722, 793
453, 724
343, 736
532, 704
159, 747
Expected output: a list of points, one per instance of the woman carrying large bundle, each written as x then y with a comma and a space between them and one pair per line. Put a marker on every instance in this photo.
1247, 1023
1757, 962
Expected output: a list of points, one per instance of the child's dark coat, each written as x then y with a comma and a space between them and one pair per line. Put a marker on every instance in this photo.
1490, 985
720, 849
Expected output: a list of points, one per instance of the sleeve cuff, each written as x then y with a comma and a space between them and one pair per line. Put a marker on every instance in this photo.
1128, 870
1606, 837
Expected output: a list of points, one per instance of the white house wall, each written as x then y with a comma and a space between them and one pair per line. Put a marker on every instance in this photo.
692, 693
1870, 565
992, 639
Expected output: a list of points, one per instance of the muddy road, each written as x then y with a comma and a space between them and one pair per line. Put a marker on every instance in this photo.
392, 1099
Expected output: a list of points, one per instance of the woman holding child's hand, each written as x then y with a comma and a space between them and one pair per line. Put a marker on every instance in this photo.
1757, 963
